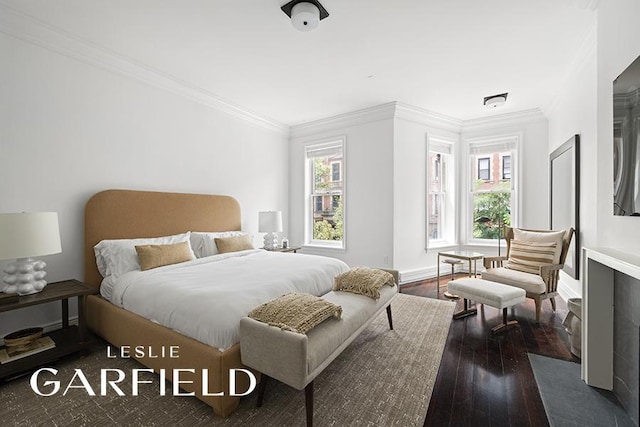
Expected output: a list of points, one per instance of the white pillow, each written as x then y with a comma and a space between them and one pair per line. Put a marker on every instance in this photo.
541, 237
118, 256
203, 243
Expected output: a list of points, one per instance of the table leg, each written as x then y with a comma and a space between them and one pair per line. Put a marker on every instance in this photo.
469, 267
82, 326
65, 313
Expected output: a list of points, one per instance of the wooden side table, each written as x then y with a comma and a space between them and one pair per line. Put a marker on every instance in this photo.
68, 340
293, 249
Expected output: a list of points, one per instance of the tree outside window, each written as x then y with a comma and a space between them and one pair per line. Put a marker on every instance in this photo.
327, 209
491, 197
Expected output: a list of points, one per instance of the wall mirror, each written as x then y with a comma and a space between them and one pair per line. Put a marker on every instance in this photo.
626, 141
564, 193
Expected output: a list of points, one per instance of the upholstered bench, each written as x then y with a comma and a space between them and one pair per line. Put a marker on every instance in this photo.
297, 359
490, 293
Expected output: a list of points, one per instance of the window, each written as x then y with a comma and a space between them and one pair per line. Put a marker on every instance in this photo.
506, 167
325, 194
440, 227
335, 171
491, 199
483, 168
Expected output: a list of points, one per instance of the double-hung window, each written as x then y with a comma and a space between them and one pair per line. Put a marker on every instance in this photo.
492, 198
325, 194
441, 213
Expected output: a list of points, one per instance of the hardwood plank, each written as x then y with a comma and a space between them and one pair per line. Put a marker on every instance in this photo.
487, 379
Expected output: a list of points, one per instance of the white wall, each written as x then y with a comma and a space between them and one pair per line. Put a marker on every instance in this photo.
410, 164
69, 129
368, 175
574, 111
533, 162
618, 46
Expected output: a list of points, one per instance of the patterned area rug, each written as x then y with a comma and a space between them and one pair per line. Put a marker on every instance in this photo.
384, 378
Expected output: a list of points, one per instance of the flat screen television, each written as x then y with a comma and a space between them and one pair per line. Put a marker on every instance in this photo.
626, 141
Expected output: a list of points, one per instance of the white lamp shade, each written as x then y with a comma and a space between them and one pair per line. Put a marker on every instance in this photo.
270, 222
25, 235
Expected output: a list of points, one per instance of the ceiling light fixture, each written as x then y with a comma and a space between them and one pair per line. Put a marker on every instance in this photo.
305, 14
494, 101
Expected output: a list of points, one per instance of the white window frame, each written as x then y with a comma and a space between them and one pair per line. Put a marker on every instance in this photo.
309, 201
488, 145
446, 147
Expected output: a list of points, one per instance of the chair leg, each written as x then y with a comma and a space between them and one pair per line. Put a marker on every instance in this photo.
538, 307
261, 387
389, 317
553, 303
308, 401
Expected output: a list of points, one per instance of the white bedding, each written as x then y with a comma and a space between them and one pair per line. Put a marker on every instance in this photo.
206, 298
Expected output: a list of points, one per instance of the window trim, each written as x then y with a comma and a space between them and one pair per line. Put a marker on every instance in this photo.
447, 146
308, 192
476, 146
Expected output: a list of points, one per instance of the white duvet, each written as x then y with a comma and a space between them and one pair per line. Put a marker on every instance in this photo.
206, 298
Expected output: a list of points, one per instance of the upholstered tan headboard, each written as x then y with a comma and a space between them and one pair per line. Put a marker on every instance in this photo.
128, 214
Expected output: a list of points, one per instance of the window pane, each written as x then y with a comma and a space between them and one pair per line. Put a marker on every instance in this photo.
494, 206
435, 231
325, 164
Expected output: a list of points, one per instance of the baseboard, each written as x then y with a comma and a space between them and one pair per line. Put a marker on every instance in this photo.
410, 276
566, 292
50, 327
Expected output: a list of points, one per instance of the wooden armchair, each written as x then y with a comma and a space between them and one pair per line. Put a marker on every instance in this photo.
543, 285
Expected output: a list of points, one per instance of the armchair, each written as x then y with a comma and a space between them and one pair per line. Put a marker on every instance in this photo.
540, 286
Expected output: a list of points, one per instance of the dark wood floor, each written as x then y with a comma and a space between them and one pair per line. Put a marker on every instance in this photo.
485, 379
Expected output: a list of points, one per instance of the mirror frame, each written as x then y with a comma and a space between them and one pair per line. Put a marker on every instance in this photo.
558, 220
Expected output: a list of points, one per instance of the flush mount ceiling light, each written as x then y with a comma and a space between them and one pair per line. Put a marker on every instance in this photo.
494, 101
305, 14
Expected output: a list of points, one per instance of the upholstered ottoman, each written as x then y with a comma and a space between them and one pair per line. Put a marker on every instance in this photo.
490, 293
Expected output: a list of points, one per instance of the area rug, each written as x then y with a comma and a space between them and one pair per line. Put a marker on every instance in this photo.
569, 401
384, 378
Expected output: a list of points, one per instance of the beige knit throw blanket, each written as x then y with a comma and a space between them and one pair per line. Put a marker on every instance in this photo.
364, 280
296, 312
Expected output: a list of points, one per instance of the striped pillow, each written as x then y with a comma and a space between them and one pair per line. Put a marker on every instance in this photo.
529, 256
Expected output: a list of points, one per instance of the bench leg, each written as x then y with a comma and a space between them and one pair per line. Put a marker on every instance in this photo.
505, 324
466, 311
261, 387
308, 401
389, 317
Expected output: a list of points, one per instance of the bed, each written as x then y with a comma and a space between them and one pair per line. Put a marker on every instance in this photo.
127, 214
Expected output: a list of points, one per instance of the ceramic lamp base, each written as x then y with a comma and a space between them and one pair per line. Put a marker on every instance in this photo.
24, 276
270, 241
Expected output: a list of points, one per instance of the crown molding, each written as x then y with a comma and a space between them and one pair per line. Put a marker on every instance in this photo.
31, 30
503, 120
353, 118
428, 118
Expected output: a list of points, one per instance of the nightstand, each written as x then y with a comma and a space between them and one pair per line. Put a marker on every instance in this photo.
68, 340
293, 249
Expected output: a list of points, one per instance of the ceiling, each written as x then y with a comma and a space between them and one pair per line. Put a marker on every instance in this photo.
441, 56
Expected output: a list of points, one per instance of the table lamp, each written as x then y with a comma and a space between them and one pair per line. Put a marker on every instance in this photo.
23, 236
270, 222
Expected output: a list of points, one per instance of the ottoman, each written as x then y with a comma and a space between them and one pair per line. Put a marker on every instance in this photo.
490, 293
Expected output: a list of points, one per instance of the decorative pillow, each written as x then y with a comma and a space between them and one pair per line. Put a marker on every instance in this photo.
203, 243
116, 257
364, 280
233, 243
536, 237
529, 256
152, 256
296, 312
